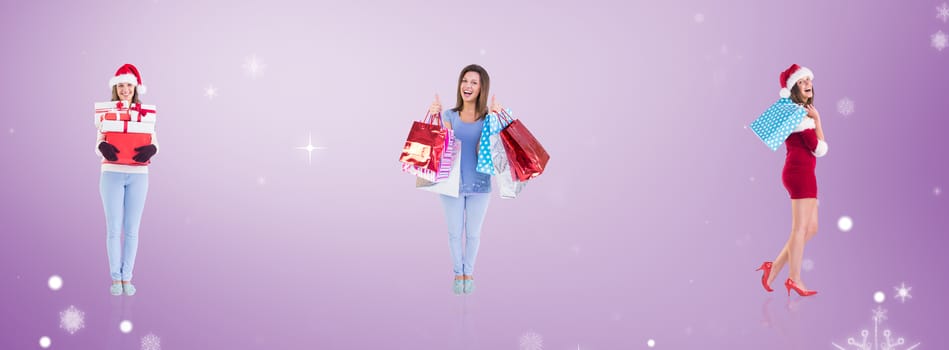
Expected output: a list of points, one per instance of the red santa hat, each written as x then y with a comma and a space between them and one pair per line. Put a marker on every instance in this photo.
127, 73
790, 76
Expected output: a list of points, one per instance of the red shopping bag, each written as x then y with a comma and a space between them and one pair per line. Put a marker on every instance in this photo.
524, 153
426, 143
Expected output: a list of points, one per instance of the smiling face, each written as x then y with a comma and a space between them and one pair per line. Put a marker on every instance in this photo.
803, 91
806, 86
124, 91
470, 87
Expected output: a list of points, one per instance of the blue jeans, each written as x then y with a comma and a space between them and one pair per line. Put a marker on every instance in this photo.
465, 213
123, 197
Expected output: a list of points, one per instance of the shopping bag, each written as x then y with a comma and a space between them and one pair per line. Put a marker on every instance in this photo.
777, 122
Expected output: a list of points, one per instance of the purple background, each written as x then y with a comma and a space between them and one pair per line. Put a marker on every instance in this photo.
654, 210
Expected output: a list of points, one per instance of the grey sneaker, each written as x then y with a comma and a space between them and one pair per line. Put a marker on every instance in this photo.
469, 286
129, 289
459, 287
116, 289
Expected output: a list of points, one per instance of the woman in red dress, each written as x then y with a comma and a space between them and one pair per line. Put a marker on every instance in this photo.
804, 146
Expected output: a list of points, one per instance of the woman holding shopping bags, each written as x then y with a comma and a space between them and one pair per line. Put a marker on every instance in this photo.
804, 145
123, 183
466, 212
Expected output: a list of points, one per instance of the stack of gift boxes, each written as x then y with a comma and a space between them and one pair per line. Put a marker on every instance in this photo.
126, 126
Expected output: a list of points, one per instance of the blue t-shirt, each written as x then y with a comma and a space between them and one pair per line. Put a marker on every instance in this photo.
470, 136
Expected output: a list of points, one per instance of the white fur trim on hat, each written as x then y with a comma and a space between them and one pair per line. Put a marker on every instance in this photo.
784, 93
123, 78
141, 89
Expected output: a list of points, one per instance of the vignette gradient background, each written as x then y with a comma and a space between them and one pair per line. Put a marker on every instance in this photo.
655, 208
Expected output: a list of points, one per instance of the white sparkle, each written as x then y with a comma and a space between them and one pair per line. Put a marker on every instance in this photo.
210, 92
752, 179
151, 342
699, 17
902, 292
651, 343
575, 249
11, 130
125, 326
879, 297
939, 40
254, 67
483, 51
845, 223
943, 12
845, 106
72, 319
807, 265
261, 181
45, 342
937, 191
309, 148
531, 341
55, 282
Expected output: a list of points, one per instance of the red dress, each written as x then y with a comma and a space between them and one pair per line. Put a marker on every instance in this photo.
803, 149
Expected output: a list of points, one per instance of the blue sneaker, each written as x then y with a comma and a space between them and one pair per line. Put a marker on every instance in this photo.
129, 289
469, 286
459, 287
116, 289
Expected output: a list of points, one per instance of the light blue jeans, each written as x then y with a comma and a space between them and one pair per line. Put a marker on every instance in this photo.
123, 197
465, 213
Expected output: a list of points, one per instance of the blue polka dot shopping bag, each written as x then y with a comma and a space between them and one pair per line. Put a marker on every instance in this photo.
777, 122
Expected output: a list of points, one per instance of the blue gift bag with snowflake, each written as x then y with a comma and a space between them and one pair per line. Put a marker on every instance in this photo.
492, 126
777, 122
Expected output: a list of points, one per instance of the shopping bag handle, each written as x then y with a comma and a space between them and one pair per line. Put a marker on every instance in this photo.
503, 116
429, 118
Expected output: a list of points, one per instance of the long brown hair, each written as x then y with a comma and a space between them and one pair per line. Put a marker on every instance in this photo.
481, 105
797, 96
115, 94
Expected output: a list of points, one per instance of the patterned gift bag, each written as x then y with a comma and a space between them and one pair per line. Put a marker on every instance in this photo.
777, 122
452, 184
493, 124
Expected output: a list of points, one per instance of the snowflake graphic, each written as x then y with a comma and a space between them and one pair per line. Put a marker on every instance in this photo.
845, 106
151, 342
254, 67
939, 40
943, 12
72, 320
902, 292
532, 341
887, 343
210, 92
699, 17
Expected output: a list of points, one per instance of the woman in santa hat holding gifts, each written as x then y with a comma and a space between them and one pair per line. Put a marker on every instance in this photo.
804, 145
123, 184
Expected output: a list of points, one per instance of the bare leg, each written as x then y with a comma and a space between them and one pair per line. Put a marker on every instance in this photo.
802, 210
782, 257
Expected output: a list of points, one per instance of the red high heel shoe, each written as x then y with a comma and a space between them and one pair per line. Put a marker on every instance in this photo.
804, 293
766, 266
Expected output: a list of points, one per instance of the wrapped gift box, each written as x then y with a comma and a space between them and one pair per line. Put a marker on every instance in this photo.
126, 127
116, 110
127, 143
